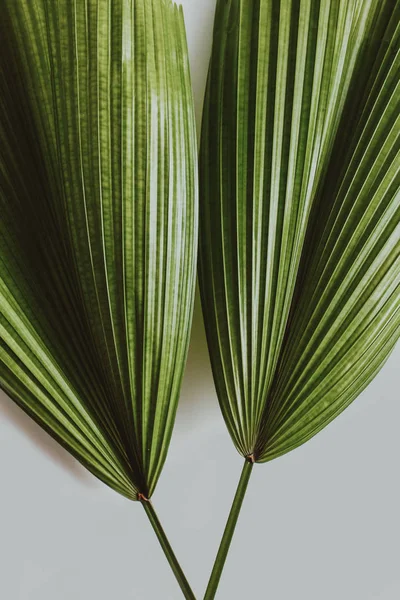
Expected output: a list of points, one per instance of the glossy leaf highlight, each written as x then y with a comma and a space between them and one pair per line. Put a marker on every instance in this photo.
98, 235
299, 225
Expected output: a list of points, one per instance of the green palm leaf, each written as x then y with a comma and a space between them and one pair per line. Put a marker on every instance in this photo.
299, 260
299, 216
98, 232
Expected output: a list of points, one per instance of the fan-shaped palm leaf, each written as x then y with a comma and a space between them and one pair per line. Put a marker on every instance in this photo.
98, 226
299, 251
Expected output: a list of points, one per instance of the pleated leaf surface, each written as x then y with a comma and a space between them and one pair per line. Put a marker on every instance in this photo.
98, 233
299, 212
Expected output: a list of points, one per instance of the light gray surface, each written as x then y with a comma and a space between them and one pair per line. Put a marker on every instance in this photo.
321, 523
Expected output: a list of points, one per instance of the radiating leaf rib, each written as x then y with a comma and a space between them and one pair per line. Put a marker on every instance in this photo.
348, 316
98, 249
298, 245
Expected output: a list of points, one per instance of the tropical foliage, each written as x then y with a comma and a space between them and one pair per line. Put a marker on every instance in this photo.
299, 223
98, 193
299, 212
299, 217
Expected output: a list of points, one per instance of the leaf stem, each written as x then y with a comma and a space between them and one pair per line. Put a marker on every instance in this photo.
166, 546
229, 531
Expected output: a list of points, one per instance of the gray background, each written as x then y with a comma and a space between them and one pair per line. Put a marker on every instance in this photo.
321, 523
